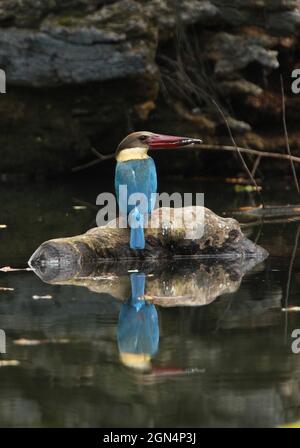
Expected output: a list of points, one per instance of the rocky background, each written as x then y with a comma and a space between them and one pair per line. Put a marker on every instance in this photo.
83, 73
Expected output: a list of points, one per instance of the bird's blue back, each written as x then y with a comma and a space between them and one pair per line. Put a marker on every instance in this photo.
139, 176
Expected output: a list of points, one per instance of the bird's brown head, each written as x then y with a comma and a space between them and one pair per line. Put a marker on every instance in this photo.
137, 144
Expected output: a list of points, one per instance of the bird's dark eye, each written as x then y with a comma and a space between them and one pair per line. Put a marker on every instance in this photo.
143, 138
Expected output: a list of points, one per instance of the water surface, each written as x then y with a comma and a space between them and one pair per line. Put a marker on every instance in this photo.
223, 360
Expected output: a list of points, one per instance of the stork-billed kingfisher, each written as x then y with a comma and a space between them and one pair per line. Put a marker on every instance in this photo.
136, 172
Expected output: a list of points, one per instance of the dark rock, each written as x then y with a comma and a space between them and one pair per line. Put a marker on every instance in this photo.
81, 72
233, 53
287, 22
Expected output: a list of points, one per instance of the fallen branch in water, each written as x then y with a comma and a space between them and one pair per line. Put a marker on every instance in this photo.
245, 225
270, 211
9, 269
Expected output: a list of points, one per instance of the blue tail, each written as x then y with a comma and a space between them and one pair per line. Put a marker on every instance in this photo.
137, 238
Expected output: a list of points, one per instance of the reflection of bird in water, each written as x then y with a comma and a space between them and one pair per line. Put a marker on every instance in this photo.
138, 335
136, 171
138, 329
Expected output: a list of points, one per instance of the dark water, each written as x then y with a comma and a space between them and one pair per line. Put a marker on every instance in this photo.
86, 356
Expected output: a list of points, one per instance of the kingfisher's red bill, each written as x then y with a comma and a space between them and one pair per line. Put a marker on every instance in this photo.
160, 141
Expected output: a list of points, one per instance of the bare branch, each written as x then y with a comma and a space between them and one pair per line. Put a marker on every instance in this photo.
101, 158
272, 155
255, 165
288, 285
236, 146
286, 134
255, 152
85, 165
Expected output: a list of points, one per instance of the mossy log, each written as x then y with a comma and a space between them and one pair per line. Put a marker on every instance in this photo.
167, 236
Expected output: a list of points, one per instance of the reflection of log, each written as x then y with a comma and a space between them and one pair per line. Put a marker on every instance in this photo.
176, 283
166, 237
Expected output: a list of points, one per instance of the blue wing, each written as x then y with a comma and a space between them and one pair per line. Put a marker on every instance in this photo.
139, 176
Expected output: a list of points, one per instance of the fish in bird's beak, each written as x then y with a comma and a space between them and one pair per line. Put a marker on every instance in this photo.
159, 141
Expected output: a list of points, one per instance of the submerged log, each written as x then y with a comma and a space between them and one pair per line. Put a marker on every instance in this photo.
200, 233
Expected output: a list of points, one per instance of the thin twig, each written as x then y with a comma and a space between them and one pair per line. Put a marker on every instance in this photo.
237, 148
241, 157
219, 321
286, 135
255, 165
235, 145
288, 285
86, 165
101, 158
